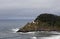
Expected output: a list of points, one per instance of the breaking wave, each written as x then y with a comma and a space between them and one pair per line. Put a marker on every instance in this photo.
53, 35
15, 30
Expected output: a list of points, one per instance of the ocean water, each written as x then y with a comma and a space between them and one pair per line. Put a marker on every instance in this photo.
8, 30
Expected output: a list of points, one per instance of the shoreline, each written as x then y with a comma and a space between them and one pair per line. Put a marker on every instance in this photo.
41, 32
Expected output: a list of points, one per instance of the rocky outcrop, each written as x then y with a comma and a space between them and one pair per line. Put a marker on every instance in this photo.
43, 22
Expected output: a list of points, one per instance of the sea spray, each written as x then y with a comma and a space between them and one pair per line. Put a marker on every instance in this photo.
15, 30
28, 33
52, 37
33, 37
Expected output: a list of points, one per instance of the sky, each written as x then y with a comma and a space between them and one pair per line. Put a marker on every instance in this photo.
27, 9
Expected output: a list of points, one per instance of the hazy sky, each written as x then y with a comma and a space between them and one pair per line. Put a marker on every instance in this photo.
16, 9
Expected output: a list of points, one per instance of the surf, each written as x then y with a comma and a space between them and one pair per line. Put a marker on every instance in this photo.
15, 30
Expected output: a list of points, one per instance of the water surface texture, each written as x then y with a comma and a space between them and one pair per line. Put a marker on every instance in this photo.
8, 30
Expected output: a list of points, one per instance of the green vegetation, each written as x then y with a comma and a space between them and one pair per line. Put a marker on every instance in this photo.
46, 22
50, 19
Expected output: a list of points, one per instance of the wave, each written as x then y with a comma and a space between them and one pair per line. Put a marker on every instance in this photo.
15, 30
27, 33
33, 37
52, 37
54, 32
10, 37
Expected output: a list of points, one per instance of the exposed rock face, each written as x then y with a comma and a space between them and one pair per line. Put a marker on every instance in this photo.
46, 22
29, 27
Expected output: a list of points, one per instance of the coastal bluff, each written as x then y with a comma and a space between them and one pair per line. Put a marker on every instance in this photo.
43, 22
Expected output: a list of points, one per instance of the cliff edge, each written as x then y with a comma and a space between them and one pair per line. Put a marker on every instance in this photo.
43, 22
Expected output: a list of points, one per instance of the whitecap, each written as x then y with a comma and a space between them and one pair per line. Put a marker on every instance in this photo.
30, 33
53, 37
33, 37
15, 30
54, 32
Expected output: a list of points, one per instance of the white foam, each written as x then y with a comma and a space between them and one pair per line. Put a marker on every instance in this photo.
33, 37
31, 32
53, 37
27, 33
54, 32
51, 32
15, 30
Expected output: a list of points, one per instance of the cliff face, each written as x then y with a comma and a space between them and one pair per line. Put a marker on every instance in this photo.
45, 22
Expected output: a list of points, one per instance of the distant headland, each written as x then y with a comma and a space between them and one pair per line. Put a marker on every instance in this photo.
43, 22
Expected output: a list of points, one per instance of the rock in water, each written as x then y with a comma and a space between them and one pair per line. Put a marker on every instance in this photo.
43, 22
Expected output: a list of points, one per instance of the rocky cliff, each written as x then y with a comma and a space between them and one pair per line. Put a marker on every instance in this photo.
43, 22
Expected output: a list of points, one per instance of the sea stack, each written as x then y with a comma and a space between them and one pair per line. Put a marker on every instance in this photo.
43, 22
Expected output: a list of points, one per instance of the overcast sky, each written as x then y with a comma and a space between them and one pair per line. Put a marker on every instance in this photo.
16, 9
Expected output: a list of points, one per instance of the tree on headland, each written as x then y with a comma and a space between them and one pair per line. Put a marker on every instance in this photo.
49, 18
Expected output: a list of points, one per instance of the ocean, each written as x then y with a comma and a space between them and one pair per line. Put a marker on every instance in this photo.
8, 30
